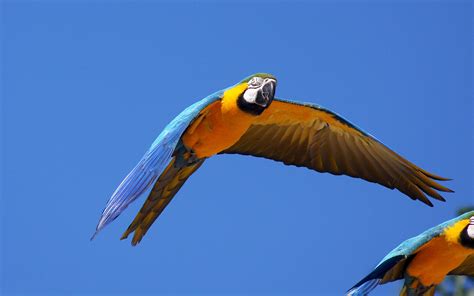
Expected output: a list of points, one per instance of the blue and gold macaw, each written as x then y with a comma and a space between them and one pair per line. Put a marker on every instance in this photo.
425, 260
247, 119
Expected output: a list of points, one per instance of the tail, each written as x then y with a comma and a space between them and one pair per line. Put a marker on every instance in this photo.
168, 184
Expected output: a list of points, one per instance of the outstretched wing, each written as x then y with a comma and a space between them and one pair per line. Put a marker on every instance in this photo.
169, 183
155, 160
392, 267
310, 136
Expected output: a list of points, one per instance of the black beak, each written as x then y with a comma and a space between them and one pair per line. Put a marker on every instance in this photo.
266, 93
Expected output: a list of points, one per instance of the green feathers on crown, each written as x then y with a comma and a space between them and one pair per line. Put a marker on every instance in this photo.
262, 75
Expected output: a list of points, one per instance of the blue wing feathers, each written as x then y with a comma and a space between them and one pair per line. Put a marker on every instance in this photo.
152, 163
364, 289
371, 281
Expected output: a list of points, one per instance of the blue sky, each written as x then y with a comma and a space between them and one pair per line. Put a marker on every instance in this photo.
86, 87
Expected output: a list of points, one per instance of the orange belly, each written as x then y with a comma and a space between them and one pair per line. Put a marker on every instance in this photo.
218, 127
436, 259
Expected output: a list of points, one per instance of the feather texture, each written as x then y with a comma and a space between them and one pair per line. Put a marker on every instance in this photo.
155, 160
308, 135
160, 196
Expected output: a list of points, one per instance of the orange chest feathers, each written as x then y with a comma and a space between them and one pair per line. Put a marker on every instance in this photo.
217, 128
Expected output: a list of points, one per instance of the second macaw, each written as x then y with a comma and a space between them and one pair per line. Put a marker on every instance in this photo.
247, 119
425, 260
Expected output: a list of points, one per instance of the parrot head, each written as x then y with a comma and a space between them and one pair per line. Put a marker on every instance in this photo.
467, 234
258, 94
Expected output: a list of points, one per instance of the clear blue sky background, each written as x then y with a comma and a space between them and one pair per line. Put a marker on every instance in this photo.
87, 87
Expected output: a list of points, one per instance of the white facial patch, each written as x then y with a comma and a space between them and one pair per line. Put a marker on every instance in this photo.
470, 228
250, 95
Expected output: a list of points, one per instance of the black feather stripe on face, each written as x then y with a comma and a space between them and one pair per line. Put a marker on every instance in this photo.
464, 238
245, 106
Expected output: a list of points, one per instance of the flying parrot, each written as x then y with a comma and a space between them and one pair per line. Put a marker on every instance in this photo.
247, 119
425, 260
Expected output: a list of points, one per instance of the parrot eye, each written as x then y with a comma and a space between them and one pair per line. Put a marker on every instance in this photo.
258, 95
255, 82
